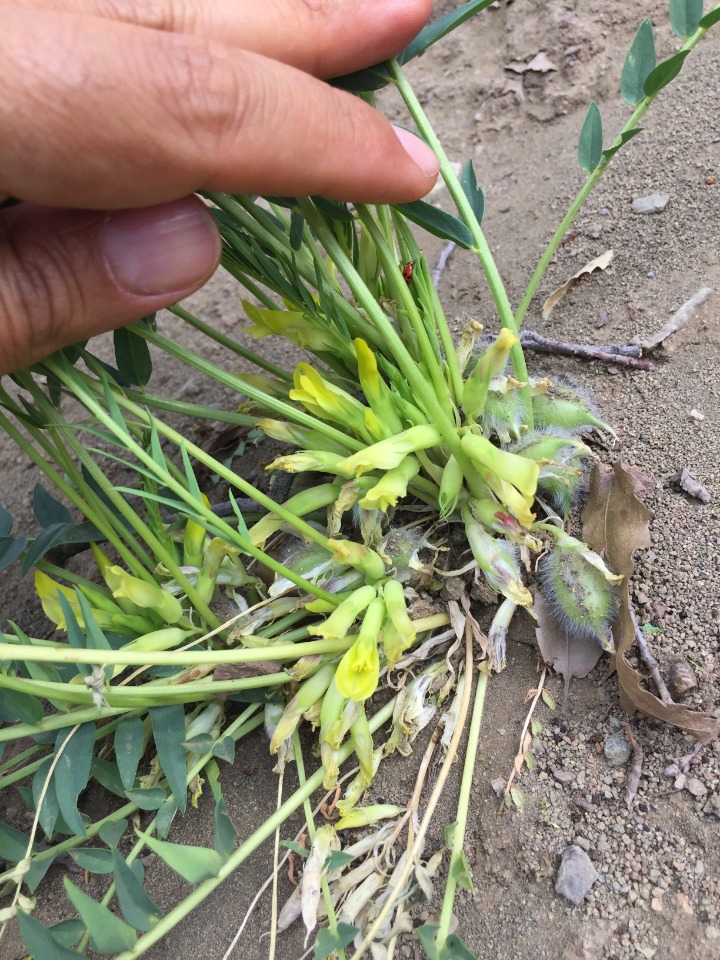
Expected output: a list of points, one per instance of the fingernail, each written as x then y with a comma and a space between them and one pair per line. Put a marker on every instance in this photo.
162, 249
419, 151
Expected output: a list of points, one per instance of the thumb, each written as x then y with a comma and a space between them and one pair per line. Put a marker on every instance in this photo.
66, 275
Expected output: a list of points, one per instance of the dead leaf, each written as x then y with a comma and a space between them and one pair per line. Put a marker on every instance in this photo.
540, 63
570, 656
615, 524
242, 671
642, 483
514, 85
599, 263
687, 482
679, 320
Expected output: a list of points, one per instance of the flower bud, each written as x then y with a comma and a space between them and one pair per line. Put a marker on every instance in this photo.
450, 487
319, 461
338, 624
519, 471
404, 631
301, 504
148, 596
376, 391
307, 696
366, 816
490, 364
358, 556
498, 561
580, 589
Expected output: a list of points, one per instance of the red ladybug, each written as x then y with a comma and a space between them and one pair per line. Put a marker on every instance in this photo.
407, 272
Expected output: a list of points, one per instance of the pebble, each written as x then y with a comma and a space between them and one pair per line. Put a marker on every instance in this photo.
617, 750
680, 781
576, 875
696, 787
594, 231
653, 203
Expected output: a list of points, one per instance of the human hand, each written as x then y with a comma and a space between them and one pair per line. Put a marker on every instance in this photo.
114, 111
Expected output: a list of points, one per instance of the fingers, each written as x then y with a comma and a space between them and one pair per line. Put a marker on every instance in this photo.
323, 37
132, 117
67, 275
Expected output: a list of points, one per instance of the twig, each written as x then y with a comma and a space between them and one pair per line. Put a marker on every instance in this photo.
649, 660
633, 777
437, 270
679, 320
623, 356
684, 762
521, 752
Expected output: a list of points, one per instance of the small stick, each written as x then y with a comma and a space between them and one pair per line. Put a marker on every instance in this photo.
437, 270
517, 767
684, 762
679, 320
533, 341
633, 777
650, 662
585, 805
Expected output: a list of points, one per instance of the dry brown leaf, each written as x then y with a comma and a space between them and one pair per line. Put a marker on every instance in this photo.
242, 671
615, 524
599, 263
692, 487
570, 656
540, 63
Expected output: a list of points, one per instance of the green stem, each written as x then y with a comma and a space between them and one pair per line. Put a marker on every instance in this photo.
481, 248
240, 855
462, 811
212, 334
580, 199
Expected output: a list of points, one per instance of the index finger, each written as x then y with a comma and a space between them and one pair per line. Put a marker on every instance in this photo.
324, 37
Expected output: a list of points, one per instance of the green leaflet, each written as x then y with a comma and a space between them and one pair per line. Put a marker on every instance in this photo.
328, 942
664, 73
168, 724
624, 137
685, 16
137, 907
132, 356
40, 942
108, 933
93, 859
476, 198
638, 65
437, 222
193, 864
72, 772
129, 745
151, 798
591, 139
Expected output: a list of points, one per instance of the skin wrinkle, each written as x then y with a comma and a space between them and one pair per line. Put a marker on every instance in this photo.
38, 283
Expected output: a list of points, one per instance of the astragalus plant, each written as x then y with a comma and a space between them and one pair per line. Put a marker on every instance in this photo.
412, 459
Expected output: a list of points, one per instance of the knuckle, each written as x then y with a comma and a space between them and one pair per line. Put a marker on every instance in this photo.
205, 92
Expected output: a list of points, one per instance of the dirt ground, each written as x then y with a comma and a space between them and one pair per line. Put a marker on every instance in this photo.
658, 891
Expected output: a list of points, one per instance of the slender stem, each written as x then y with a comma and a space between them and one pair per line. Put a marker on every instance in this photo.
245, 849
462, 810
481, 248
212, 334
580, 199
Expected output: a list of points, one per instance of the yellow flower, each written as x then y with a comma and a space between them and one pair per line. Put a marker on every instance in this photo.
403, 634
358, 672
323, 399
358, 556
148, 596
49, 591
376, 391
389, 453
388, 490
290, 324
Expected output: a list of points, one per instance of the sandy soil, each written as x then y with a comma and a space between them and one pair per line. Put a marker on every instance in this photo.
658, 890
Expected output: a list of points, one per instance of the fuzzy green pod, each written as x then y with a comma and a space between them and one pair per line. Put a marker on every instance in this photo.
580, 589
562, 407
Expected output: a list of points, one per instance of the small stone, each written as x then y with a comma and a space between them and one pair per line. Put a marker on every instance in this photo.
684, 904
712, 933
656, 904
672, 770
498, 787
617, 749
713, 805
653, 203
604, 211
583, 843
680, 781
651, 274
594, 231
563, 776
696, 787
502, 731
576, 875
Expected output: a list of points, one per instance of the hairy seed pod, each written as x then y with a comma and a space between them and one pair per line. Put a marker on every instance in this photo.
580, 590
564, 408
